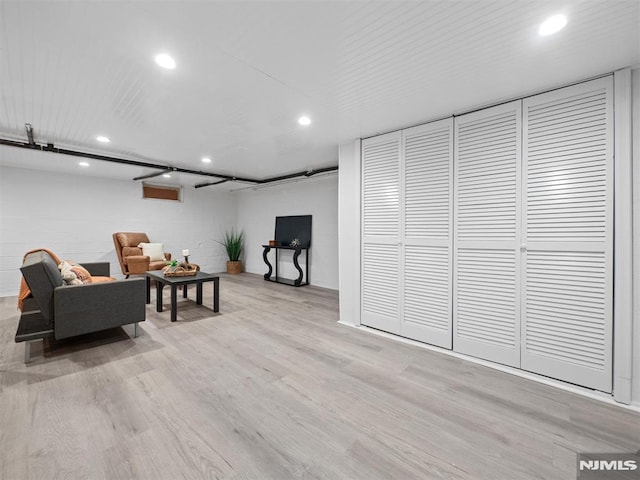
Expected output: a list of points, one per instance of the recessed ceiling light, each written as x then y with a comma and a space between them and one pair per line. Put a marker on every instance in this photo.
206, 160
304, 121
165, 61
83, 164
552, 25
166, 175
103, 139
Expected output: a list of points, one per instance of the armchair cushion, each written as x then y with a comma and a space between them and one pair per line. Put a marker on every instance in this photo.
128, 239
131, 252
157, 265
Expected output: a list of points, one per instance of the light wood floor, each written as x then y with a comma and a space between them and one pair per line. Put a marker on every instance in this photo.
273, 388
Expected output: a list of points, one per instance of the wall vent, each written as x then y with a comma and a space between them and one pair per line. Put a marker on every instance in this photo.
162, 192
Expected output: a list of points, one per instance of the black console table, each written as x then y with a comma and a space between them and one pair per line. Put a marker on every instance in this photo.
296, 253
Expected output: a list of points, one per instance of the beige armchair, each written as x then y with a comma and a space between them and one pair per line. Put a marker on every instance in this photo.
132, 260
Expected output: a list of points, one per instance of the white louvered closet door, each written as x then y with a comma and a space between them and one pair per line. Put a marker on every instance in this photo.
568, 228
428, 212
381, 227
486, 297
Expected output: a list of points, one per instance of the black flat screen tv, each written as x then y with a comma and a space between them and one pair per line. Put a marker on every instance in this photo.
294, 226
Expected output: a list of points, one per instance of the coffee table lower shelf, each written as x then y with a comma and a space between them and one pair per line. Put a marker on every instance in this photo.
175, 282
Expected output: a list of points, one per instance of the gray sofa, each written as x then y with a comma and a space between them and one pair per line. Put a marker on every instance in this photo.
56, 310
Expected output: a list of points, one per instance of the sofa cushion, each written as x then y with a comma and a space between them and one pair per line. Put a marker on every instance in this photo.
128, 239
43, 277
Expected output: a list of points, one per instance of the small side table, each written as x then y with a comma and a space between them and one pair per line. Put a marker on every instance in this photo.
296, 253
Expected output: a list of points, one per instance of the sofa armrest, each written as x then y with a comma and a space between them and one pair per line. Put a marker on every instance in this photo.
33, 326
98, 269
80, 309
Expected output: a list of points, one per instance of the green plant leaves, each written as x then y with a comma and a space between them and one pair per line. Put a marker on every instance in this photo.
233, 243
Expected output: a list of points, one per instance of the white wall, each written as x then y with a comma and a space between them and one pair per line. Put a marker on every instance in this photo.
257, 212
350, 218
635, 128
75, 216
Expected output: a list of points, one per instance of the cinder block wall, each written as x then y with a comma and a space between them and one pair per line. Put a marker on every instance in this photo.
75, 216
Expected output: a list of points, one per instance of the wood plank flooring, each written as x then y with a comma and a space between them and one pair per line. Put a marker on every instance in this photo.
273, 388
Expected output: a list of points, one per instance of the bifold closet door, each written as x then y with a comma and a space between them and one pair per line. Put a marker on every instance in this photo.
486, 295
428, 211
568, 229
381, 227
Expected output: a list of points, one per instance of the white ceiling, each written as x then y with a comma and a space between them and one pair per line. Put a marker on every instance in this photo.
247, 70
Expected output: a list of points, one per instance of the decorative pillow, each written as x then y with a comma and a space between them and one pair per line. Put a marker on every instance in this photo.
155, 251
74, 274
82, 273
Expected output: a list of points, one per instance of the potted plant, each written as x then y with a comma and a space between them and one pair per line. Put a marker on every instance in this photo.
233, 243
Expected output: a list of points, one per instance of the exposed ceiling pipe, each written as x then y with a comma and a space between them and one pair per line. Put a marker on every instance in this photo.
321, 170
306, 173
282, 182
208, 184
49, 147
156, 174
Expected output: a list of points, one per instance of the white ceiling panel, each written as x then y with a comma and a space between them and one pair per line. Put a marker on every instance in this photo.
247, 70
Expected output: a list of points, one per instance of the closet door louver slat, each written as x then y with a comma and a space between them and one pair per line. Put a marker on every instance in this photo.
381, 222
568, 228
428, 205
486, 298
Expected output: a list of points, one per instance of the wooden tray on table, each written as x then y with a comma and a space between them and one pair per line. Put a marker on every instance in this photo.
182, 270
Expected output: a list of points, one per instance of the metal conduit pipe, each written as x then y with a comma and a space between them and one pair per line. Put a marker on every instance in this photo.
49, 147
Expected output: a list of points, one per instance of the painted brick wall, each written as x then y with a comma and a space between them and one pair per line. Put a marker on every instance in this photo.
258, 209
75, 217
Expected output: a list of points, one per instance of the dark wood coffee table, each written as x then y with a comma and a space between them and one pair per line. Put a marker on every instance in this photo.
199, 278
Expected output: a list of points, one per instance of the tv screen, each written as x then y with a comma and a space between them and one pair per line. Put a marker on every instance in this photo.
295, 226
